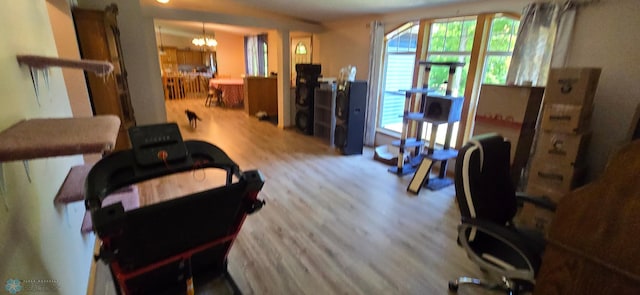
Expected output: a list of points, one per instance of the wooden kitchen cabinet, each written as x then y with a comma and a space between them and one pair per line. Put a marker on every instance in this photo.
261, 94
190, 57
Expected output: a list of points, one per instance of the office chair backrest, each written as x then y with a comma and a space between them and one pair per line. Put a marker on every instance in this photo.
483, 184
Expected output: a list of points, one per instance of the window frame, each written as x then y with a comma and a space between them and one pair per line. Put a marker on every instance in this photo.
396, 32
475, 73
490, 53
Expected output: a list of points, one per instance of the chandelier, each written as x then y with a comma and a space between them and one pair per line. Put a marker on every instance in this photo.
205, 40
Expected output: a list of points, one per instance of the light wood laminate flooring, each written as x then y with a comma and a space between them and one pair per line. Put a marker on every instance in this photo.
333, 224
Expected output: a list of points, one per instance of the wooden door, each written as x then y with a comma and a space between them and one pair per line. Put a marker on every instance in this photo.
99, 39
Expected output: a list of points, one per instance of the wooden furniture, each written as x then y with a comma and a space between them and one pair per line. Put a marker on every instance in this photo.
171, 58
261, 94
99, 39
592, 243
232, 91
191, 57
185, 86
168, 60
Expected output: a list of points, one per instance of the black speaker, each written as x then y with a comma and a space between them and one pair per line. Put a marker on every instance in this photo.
443, 108
306, 82
351, 106
304, 92
304, 120
308, 70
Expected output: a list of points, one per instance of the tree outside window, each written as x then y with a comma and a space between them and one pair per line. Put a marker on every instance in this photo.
450, 40
502, 39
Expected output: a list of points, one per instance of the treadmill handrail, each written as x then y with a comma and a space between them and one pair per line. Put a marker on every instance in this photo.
120, 169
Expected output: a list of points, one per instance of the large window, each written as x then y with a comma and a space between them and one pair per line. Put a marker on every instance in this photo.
255, 52
502, 40
399, 62
452, 40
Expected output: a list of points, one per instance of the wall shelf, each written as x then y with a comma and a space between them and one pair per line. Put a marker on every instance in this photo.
41, 138
41, 62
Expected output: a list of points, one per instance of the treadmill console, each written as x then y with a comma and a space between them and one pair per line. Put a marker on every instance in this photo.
157, 144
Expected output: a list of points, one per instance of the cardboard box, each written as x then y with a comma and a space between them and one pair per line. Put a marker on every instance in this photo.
572, 86
534, 217
512, 112
564, 148
510, 105
535, 190
565, 118
553, 176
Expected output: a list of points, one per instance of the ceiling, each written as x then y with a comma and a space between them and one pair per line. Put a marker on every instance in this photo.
317, 11
190, 28
312, 11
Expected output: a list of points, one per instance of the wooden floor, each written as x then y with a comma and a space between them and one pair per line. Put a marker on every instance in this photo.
333, 224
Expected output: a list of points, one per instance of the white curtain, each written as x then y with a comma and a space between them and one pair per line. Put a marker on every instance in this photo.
251, 55
375, 70
543, 39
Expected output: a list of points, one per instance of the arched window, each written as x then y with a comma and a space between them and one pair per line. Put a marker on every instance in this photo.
400, 58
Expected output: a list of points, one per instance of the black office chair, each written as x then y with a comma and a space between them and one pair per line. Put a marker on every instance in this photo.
488, 202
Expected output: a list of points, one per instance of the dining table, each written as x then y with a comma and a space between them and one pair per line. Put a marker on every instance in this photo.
232, 90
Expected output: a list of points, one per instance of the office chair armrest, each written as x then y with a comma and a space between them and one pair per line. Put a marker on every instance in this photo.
507, 237
541, 202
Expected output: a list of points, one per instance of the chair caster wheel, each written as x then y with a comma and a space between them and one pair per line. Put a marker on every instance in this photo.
453, 287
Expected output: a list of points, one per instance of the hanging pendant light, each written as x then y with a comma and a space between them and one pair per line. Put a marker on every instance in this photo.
301, 49
205, 40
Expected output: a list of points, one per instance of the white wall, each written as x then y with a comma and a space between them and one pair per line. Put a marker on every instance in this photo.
606, 35
230, 55
65, 37
272, 51
345, 43
39, 241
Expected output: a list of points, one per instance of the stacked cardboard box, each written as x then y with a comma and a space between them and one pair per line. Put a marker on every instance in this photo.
511, 111
558, 164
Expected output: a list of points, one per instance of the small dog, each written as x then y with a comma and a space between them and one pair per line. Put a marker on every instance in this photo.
193, 118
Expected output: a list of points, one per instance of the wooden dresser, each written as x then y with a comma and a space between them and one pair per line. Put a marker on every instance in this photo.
592, 246
99, 39
261, 94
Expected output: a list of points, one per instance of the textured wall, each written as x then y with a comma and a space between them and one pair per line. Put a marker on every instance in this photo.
39, 240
